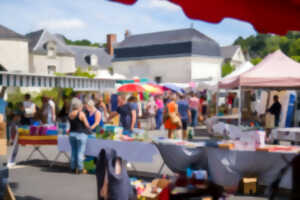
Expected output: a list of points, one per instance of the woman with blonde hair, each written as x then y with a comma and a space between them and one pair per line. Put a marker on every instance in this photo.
172, 118
79, 130
93, 115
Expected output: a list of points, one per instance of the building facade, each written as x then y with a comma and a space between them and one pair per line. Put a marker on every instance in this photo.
48, 54
234, 55
13, 51
170, 56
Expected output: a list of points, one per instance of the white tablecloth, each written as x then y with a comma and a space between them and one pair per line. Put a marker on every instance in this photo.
130, 151
227, 167
286, 134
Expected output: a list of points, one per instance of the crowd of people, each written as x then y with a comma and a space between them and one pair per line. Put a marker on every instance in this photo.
87, 113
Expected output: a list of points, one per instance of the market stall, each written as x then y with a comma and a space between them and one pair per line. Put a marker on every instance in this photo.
40, 136
228, 165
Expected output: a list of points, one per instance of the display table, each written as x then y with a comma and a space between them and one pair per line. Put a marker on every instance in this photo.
37, 142
227, 167
130, 151
210, 122
286, 134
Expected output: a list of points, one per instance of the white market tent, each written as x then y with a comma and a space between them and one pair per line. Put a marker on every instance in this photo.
276, 71
8, 79
230, 81
105, 74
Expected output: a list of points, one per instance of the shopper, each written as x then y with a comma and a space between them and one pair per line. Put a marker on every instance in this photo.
48, 111
151, 110
127, 115
159, 111
133, 102
64, 112
171, 116
79, 130
93, 115
185, 114
194, 106
100, 105
29, 110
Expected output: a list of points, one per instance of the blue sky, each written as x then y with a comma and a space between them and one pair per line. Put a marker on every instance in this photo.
93, 19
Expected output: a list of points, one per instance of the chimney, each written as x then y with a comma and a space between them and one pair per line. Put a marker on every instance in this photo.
127, 33
110, 40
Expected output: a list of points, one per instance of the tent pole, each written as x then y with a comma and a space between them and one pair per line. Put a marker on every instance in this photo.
240, 106
217, 101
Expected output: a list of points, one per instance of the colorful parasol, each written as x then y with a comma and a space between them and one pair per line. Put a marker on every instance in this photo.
131, 87
152, 89
267, 16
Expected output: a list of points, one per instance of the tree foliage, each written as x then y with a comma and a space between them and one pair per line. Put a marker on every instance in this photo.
260, 45
227, 68
83, 42
255, 61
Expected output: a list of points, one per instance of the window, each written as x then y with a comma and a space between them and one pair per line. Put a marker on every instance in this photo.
94, 60
51, 69
158, 79
51, 49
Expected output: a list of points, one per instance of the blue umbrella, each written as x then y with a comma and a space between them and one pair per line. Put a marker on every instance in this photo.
172, 87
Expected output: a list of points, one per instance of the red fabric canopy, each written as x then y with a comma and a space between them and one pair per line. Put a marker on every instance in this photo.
267, 16
131, 87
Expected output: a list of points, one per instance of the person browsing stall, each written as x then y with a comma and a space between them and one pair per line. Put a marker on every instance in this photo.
79, 131
185, 114
29, 110
127, 114
93, 115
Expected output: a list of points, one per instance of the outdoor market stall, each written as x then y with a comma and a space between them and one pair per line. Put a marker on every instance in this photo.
40, 139
227, 166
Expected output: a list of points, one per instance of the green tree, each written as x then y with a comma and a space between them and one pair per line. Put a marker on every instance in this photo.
296, 58
295, 48
227, 68
255, 61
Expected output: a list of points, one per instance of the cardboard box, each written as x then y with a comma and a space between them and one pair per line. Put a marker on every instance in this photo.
154, 189
3, 147
2, 130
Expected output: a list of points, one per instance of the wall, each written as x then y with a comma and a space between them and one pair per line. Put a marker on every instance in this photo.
173, 69
39, 63
14, 55
206, 68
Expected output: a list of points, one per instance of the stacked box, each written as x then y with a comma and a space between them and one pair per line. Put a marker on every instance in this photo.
24, 130
89, 164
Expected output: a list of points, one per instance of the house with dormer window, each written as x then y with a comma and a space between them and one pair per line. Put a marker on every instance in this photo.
48, 54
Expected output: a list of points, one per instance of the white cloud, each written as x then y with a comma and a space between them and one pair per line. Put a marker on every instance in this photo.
61, 24
163, 4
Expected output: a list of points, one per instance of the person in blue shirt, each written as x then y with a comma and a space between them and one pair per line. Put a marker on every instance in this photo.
93, 115
127, 115
134, 106
185, 114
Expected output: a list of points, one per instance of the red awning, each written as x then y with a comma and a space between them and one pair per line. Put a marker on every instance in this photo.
267, 16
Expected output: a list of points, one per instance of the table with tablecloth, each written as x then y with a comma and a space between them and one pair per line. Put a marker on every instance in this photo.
227, 167
35, 141
210, 122
286, 134
132, 151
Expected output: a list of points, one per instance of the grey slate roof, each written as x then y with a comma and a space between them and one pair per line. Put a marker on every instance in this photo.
196, 43
229, 51
81, 52
38, 39
6, 33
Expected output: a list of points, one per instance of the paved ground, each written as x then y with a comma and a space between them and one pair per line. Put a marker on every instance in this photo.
34, 180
